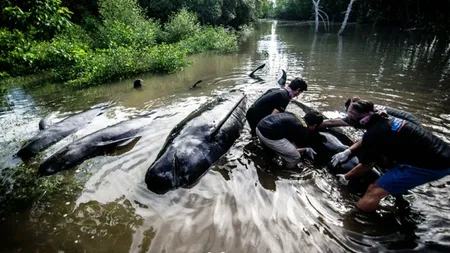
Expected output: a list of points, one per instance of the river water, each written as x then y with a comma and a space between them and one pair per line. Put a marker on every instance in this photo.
244, 203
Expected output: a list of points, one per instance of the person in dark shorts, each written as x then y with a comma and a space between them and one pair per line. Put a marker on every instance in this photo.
274, 101
416, 155
287, 134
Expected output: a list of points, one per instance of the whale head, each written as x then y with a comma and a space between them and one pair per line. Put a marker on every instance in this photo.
163, 176
51, 166
177, 167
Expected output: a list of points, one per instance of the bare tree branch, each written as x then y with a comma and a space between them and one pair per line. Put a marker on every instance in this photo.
347, 13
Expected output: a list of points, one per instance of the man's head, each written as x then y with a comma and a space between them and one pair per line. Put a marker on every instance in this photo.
359, 111
313, 119
349, 101
298, 86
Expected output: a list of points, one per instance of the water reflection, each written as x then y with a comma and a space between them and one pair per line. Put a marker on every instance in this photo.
246, 202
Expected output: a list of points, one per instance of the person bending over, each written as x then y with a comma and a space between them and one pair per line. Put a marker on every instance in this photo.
416, 155
274, 101
287, 135
389, 110
344, 155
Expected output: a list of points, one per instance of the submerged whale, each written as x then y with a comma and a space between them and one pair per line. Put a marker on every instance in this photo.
54, 133
196, 143
326, 144
97, 143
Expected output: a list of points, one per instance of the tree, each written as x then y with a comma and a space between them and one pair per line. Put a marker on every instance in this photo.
318, 12
347, 13
40, 19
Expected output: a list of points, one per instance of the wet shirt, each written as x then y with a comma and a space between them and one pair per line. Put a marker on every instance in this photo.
405, 143
270, 100
284, 125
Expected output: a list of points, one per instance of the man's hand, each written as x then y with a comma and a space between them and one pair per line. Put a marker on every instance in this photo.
342, 179
310, 152
340, 157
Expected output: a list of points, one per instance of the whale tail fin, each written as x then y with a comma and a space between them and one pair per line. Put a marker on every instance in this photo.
283, 78
195, 84
258, 68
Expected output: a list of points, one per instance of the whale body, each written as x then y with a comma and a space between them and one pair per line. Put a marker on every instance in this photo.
196, 143
54, 133
97, 143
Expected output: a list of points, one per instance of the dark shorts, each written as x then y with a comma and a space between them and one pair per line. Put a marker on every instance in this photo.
404, 177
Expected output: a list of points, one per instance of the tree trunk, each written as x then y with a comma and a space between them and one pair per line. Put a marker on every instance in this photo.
316, 7
347, 13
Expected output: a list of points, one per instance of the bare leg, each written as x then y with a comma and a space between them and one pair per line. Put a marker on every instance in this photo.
372, 198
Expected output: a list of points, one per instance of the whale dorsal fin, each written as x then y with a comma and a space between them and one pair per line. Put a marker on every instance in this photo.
173, 134
220, 124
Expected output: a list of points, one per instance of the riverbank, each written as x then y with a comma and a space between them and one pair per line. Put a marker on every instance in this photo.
114, 47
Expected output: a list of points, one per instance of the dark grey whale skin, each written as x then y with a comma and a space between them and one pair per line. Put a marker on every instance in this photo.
94, 144
328, 142
196, 143
54, 133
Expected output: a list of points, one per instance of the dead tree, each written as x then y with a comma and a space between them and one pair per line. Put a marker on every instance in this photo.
347, 13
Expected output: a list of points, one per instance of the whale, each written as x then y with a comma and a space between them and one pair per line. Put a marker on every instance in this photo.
56, 132
328, 142
197, 142
103, 141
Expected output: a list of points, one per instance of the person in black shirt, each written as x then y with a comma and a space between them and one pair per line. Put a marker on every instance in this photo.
273, 101
342, 156
417, 156
287, 134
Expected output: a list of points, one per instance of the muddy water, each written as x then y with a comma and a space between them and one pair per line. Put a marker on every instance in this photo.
245, 203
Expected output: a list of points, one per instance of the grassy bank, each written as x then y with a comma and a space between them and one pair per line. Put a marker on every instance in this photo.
119, 44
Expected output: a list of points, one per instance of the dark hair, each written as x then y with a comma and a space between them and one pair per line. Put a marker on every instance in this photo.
298, 83
313, 117
347, 103
360, 105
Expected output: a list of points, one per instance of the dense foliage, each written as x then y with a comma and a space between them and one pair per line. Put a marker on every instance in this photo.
121, 41
407, 14
90, 42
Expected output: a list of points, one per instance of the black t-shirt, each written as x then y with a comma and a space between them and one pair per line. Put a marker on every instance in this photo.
405, 143
284, 125
270, 100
